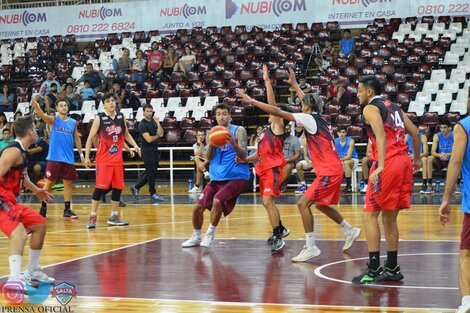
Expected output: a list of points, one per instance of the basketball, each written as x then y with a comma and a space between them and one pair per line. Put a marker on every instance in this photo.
218, 136
40, 183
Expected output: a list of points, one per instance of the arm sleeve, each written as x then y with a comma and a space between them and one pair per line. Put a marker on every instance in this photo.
306, 121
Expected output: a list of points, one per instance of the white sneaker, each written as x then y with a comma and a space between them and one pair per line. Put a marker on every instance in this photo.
306, 254
364, 189
464, 308
194, 241
195, 189
207, 240
37, 275
351, 238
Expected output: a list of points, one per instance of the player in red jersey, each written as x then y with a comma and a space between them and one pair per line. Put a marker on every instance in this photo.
270, 161
326, 188
390, 179
16, 220
111, 129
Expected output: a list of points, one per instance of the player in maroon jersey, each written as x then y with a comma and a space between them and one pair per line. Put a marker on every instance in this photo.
326, 188
16, 220
270, 161
390, 178
111, 129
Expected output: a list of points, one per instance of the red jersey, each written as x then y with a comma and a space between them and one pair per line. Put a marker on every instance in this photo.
392, 117
270, 151
322, 149
111, 136
11, 182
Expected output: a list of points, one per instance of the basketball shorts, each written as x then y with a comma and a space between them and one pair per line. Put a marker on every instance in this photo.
325, 190
226, 192
465, 236
11, 214
270, 182
109, 175
56, 170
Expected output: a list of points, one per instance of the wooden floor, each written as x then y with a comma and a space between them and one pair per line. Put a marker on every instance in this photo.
141, 268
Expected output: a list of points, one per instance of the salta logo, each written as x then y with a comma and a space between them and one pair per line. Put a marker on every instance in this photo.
64, 292
278, 7
365, 3
24, 18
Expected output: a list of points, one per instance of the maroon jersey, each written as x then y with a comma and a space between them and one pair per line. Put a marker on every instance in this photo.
270, 151
322, 149
11, 182
111, 136
392, 117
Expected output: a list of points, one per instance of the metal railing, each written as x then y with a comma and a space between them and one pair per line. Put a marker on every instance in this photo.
9, 4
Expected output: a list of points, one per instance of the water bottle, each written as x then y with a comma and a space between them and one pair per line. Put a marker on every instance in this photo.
438, 185
190, 184
361, 184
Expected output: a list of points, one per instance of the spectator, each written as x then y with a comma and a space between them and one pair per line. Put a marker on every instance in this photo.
186, 61
338, 92
37, 159
7, 99
346, 44
51, 97
155, 60
123, 65
348, 155
70, 95
302, 166
200, 150
304, 86
88, 93
138, 68
6, 138
3, 122
96, 78
292, 152
46, 85
119, 94
440, 154
366, 163
327, 56
423, 145
169, 62
254, 138
41, 129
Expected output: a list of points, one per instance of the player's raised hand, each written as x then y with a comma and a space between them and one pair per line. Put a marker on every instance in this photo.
244, 97
291, 77
265, 72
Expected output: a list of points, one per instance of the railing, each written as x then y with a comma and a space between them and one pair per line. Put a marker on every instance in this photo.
8, 4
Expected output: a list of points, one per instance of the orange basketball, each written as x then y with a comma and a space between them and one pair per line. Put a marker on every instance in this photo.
218, 136
40, 183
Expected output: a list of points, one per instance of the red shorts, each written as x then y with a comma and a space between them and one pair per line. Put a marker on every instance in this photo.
325, 190
270, 182
107, 175
465, 236
11, 214
56, 170
226, 191
393, 189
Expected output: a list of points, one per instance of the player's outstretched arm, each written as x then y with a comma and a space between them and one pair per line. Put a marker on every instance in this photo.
49, 119
269, 86
266, 107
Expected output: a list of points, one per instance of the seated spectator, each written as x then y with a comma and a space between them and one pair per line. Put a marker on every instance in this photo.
254, 138
327, 57
51, 98
302, 166
96, 78
41, 128
348, 155
346, 44
155, 60
304, 86
366, 164
292, 152
47, 84
88, 93
200, 150
423, 150
70, 95
7, 99
3, 122
441, 152
339, 93
186, 61
123, 65
169, 62
37, 159
119, 94
139, 64
6, 138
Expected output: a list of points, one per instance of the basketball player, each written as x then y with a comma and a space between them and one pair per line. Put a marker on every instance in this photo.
111, 129
390, 179
16, 220
269, 166
460, 160
228, 179
60, 159
325, 189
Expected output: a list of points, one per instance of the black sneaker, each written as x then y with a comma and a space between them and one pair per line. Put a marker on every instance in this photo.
424, 187
368, 277
285, 233
43, 210
390, 274
348, 189
70, 214
122, 204
135, 192
277, 245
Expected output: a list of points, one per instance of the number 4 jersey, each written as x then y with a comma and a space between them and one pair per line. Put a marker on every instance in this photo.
392, 117
111, 136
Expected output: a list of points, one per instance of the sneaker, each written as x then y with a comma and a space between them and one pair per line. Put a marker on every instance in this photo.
115, 221
423, 189
302, 188
194, 241
390, 274
122, 204
348, 189
68, 213
155, 198
464, 308
306, 254
277, 245
135, 192
92, 223
37, 275
58, 187
43, 210
458, 189
364, 189
195, 189
368, 277
207, 240
283, 187
429, 191
207, 176
351, 238
285, 233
